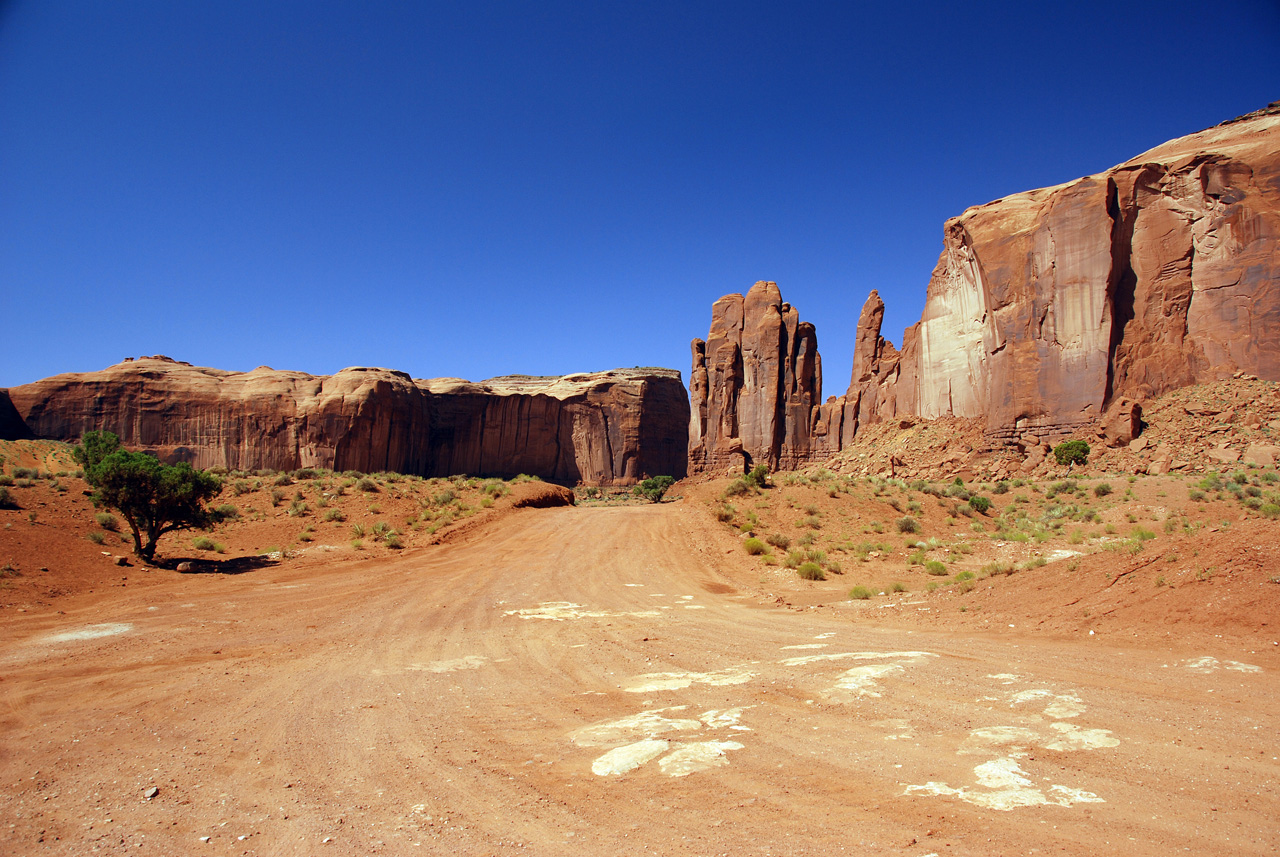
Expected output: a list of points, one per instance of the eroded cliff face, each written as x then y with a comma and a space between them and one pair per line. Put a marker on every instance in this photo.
1047, 306
754, 386
604, 428
1047, 311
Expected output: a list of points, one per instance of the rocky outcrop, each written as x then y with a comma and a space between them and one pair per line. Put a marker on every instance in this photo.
755, 384
1048, 311
598, 428
1045, 307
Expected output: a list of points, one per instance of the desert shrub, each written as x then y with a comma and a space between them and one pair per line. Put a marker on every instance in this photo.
240, 487
203, 543
1253, 491
654, 488
737, 488
778, 540
1211, 482
367, 485
979, 504
297, 509
811, 571
1001, 487
304, 473
794, 559
935, 568
277, 496
357, 544
393, 541
834, 567
381, 530
332, 515
1271, 510
357, 530
755, 547
223, 512
1102, 489
97, 538
1270, 477
1240, 477
5, 480
25, 473
812, 522
446, 497
1071, 452
996, 568
282, 480
1196, 496
725, 513
859, 593
963, 576
1142, 535
759, 476
897, 586
6, 499
908, 525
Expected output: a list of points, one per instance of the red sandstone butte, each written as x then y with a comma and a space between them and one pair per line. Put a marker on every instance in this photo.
600, 428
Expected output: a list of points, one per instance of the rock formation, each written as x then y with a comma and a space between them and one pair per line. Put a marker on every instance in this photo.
754, 386
1047, 311
603, 428
1047, 306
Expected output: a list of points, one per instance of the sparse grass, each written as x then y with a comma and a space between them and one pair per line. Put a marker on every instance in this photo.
204, 543
334, 515
778, 540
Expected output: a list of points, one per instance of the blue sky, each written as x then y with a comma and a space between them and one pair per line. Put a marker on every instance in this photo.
473, 189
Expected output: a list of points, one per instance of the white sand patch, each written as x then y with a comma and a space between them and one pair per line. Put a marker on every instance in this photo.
825, 636
633, 584
1002, 785
624, 730
860, 681
1029, 696
855, 656
691, 758
1014, 741
621, 760
1074, 738
559, 611
681, 680
1063, 707
1209, 664
1006, 678
90, 632
721, 718
470, 662
806, 646
1056, 555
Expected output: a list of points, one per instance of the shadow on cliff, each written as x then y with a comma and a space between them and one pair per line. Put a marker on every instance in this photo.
234, 565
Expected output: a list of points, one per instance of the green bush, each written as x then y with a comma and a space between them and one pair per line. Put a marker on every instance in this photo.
367, 485
811, 571
1001, 488
653, 488
153, 498
97, 538
203, 543
908, 525
755, 547
332, 515
859, 593
897, 586
778, 540
935, 568
979, 504
759, 476
738, 487
1072, 452
1102, 489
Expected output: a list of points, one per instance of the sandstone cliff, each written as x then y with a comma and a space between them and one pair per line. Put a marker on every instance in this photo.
1047, 311
754, 385
1047, 306
602, 428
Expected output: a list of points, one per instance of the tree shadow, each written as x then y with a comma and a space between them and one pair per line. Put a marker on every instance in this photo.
234, 565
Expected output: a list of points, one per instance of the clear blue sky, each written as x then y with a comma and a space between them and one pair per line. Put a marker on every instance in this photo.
472, 188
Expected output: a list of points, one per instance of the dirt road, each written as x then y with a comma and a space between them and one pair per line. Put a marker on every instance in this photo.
592, 681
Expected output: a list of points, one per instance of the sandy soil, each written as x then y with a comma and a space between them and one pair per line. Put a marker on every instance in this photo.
614, 680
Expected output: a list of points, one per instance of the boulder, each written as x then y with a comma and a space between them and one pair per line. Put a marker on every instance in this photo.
605, 428
1261, 455
1223, 455
1121, 423
540, 495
